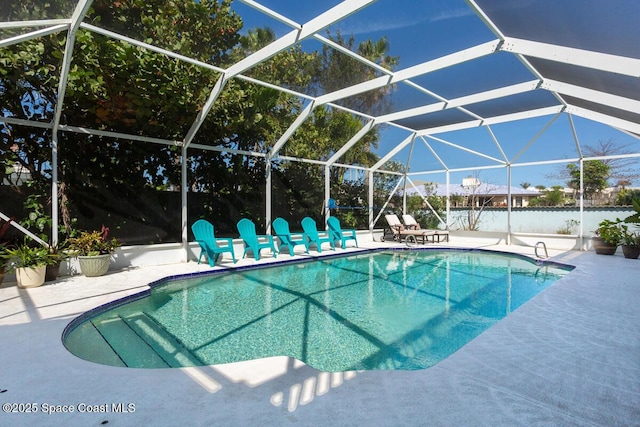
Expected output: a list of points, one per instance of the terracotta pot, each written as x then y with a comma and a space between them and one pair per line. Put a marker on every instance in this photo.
603, 248
631, 252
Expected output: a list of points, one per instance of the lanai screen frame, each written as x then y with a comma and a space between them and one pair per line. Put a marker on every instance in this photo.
522, 49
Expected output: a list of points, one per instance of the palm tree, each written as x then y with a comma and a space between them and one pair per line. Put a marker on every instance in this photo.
256, 39
377, 52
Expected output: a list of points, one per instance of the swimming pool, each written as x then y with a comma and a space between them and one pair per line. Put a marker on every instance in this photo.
393, 309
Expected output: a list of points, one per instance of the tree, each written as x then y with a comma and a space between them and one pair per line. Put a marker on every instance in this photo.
625, 197
622, 171
554, 197
116, 86
595, 176
475, 202
340, 71
525, 185
422, 211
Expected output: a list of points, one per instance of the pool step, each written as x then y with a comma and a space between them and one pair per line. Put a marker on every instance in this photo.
170, 349
88, 343
127, 344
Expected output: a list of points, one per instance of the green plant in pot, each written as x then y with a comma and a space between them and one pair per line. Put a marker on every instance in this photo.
608, 236
3, 252
630, 242
57, 254
635, 218
29, 262
4, 244
93, 249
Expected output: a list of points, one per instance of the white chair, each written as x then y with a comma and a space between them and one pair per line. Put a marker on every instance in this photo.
411, 224
400, 232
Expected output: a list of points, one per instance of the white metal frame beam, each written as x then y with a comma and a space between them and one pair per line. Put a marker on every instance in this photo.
619, 102
417, 70
408, 140
468, 150
535, 138
354, 139
318, 23
433, 151
461, 101
568, 55
291, 130
33, 35
36, 23
308, 29
76, 19
545, 111
605, 119
149, 47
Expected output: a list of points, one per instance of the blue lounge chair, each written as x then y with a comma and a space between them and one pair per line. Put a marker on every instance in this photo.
252, 241
316, 238
288, 239
203, 233
337, 233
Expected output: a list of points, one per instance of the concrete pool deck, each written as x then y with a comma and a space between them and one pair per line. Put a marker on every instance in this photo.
570, 356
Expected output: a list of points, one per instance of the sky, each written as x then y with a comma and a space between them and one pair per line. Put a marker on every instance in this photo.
422, 30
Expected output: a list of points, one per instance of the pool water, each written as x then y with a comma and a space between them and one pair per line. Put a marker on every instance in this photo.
378, 310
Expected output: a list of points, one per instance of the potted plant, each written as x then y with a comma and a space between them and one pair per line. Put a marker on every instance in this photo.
607, 237
631, 239
57, 254
3, 252
93, 249
630, 243
635, 218
29, 262
3, 246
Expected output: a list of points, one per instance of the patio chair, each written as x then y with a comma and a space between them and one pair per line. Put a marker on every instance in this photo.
400, 232
314, 236
203, 233
252, 241
411, 224
288, 239
337, 233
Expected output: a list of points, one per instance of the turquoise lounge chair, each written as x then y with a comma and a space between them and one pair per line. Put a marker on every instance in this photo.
203, 233
316, 238
252, 241
337, 233
288, 239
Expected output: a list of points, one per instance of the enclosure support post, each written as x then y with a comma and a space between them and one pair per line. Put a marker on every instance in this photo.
76, 19
370, 172
448, 181
509, 204
55, 207
184, 209
267, 199
582, 248
406, 170
327, 192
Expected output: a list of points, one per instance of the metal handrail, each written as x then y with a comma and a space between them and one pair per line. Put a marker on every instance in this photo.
546, 253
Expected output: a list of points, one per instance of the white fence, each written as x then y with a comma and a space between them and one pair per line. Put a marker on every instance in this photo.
541, 220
